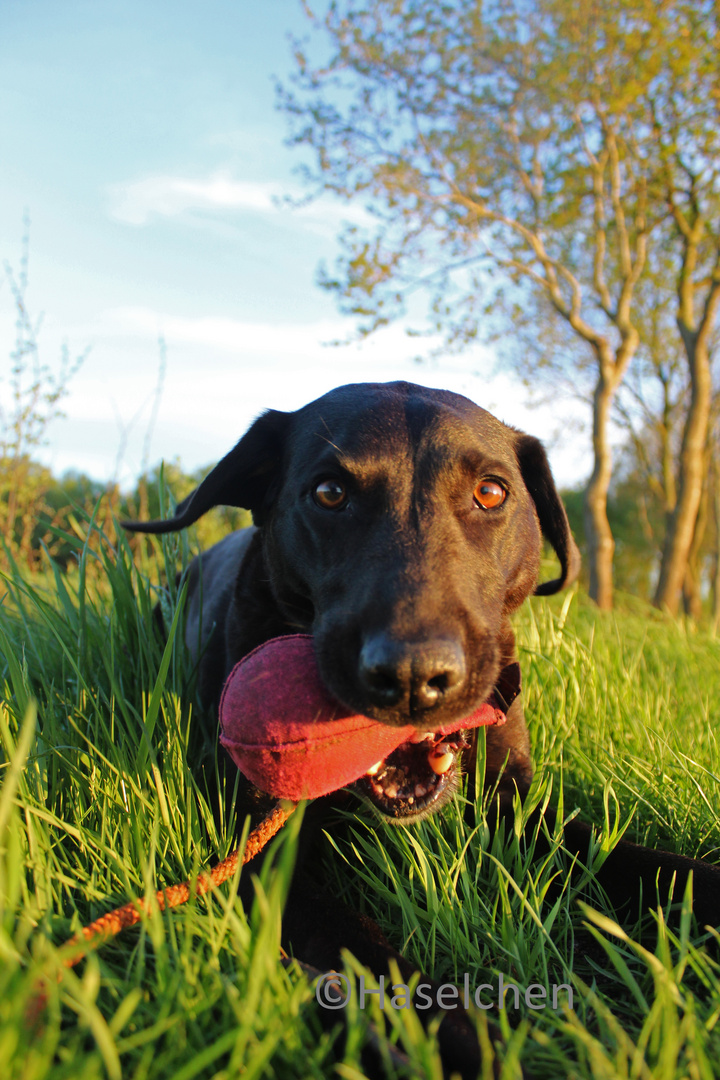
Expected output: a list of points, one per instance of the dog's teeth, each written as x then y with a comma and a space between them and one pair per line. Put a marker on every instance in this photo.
420, 736
391, 791
375, 769
420, 790
440, 759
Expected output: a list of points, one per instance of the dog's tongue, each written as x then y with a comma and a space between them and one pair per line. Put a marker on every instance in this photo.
291, 739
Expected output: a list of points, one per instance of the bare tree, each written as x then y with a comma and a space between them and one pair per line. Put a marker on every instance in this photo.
501, 136
35, 394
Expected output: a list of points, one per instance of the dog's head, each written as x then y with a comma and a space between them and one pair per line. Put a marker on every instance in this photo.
401, 527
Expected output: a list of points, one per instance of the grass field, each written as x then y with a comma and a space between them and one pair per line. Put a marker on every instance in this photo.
103, 798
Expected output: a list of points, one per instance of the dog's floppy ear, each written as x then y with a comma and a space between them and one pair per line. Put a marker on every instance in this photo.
535, 470
243, 478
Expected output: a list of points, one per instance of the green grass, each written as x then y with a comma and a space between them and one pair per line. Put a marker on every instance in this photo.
99, 803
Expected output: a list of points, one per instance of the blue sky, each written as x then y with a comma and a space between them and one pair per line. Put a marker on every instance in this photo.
143, 140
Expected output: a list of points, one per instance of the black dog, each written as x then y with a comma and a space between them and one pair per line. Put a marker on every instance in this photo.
402, 527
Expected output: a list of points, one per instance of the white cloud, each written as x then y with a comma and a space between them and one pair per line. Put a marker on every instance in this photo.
171, 196
226, 334
137, 202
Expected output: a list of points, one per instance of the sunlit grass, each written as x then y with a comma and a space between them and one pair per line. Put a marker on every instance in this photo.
109, 790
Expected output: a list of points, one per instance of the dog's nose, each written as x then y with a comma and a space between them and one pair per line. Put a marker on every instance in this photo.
421, 674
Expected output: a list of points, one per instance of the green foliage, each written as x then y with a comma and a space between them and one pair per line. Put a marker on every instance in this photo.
638, 527
50, 523
106, 795
638, 517
144, 502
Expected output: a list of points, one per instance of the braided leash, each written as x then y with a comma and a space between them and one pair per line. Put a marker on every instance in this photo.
114, 922
129, 914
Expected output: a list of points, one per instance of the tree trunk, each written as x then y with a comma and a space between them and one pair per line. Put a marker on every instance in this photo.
598, 535
715, 475
692, 467
692, 598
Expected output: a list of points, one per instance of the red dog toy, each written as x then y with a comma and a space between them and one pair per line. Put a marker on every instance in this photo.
292, 740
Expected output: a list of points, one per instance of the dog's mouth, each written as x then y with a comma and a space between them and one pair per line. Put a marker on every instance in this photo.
416, 778
292, 740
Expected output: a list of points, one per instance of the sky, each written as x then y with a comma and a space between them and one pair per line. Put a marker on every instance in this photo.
143, 142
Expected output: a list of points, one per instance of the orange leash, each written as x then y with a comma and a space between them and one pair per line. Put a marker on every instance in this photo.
108, 926
129, 914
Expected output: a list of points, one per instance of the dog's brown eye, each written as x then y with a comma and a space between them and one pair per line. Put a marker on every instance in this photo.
330, 494
489, 494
